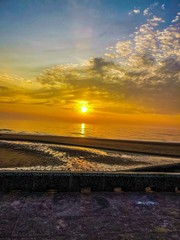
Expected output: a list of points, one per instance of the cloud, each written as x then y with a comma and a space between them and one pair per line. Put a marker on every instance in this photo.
177, 18
163, 6
151, 63
134, 11
148, 11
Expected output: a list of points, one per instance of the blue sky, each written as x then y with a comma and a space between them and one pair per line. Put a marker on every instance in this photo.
39, 34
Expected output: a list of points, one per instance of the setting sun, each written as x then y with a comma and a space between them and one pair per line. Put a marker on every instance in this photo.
84, 106
84, 109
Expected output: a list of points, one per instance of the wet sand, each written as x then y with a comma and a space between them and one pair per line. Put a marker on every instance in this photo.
32, 156
150, 147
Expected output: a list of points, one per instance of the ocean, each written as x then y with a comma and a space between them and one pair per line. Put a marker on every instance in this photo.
111, 131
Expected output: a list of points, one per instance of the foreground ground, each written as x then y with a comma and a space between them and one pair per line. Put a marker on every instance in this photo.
99, 215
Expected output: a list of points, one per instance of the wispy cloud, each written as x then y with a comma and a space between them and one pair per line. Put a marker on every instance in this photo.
148, 11
177, 18
163, 6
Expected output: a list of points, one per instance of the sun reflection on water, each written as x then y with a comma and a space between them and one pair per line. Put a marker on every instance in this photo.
83, 128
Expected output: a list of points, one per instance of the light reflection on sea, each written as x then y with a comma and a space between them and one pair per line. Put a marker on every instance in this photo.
113, 131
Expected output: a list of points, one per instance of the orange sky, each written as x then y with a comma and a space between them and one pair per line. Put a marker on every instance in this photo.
47, 113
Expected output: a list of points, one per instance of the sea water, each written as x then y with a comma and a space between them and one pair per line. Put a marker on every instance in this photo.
111, 131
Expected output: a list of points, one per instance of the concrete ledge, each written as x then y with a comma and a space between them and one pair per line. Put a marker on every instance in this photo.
66, 181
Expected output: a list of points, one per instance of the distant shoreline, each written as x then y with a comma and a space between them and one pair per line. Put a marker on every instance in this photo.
136, 146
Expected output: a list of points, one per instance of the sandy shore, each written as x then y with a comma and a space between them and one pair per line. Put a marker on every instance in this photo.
150, 147
37, 155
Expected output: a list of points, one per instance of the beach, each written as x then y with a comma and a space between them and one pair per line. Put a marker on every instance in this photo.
54, 153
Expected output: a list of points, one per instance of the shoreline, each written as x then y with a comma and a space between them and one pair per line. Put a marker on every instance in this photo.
37, 154
171, 149
33, 134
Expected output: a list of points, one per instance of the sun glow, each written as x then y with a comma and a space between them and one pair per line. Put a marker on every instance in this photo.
84, 109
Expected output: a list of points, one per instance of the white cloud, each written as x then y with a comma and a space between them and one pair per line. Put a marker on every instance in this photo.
134, 11
147, 11
154, 21
151, 63
163, 6
177, 18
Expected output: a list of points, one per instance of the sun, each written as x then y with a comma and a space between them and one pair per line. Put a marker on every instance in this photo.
84, 109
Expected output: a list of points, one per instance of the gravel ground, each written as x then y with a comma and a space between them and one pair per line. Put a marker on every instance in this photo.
94, 216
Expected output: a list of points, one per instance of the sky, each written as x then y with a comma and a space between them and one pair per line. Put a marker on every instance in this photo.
118, 59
